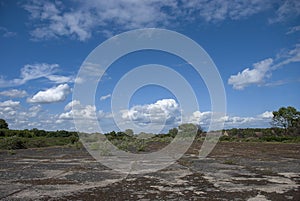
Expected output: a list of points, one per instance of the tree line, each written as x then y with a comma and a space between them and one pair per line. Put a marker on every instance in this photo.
22, 139
285, 127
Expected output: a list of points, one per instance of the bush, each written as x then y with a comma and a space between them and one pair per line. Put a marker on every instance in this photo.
12, 143
36, 142
227, 138
274, 138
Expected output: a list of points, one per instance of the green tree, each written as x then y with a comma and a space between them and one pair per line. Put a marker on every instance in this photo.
129, 132
3, 124
199, 131
187, 130
286, 117
173, 132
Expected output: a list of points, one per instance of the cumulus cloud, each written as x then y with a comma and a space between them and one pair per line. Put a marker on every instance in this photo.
200, 118
105, 97
204, 118
35, 71
71, 104
86, 117
83, 112
34, 110
14, 93
165, 111
10, 104
20, 117
254, 76
260, 120
266, 114
53, 19
8, 109
75, 109
55, 94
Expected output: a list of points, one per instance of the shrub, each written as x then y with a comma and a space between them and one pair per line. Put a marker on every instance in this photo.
12, 143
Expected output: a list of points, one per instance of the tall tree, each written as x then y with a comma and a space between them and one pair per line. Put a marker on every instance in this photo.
286, 117
3, 124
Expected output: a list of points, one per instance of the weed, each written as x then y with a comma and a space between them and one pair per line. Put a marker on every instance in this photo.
11, 152
229, 162
94, 146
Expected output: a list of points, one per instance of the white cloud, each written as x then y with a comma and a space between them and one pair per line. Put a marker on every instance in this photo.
204, 118
293, 29
34, 110
266, 114
132, 14
286, 10
78, 80
30, 72
81, 112
287, 57
261, 120
105, 97
165, 111
8, 109
14, 93
71, 104
90, 72
248, 77
59, 78
79, 20
6, 33
19, 117
86, 117
56, 21
199, 117
55, 94
219, 10
10, 104
35, 71
238, 121
263, 69
75, 109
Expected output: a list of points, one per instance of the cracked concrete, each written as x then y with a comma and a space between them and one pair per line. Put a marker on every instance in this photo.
233, 171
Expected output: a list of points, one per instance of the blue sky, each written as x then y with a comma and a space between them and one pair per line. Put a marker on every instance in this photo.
254, 44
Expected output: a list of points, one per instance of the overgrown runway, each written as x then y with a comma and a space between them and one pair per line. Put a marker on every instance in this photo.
233, 171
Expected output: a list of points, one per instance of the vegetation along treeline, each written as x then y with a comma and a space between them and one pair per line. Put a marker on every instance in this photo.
285, 128
22, 139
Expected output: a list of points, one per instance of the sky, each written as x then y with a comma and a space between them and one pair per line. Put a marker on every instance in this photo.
43, 44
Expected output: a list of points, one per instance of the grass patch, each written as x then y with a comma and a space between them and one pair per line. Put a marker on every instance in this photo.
11, 152
230, 162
